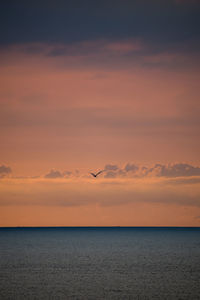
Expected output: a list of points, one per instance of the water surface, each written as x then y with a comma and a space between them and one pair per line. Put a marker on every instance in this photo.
99, 263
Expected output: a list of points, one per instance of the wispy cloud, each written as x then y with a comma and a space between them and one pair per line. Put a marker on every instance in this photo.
103, 192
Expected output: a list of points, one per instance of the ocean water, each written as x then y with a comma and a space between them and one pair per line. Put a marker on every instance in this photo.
100, 263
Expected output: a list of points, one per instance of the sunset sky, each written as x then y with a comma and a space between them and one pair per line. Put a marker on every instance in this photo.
92, 85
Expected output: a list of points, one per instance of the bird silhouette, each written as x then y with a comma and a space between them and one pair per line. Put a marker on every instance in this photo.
95, 175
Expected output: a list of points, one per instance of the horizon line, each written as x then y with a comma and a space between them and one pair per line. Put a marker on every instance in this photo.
2, 227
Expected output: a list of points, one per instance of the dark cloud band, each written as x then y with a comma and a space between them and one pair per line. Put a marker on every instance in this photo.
161, 22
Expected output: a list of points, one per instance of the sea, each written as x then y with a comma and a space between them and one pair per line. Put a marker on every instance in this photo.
100, 263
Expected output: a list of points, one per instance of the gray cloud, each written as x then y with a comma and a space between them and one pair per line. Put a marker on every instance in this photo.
107, 19
110, 54
179, 173
130, 167
158, 170
67, 174
4, 171
111, 171
110, 174
54, 174
109, 167
58, 174
176, 170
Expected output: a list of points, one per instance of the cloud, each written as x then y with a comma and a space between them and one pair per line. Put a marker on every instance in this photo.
4, 171
130, 167
105, 54
175, 170
54, 174
178, 170
184, 180
111, 167
103, 19
67, 174
86, 48
110, 174
180, 173
111, 171
105, 192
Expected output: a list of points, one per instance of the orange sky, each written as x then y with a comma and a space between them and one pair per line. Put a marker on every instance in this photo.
85, 110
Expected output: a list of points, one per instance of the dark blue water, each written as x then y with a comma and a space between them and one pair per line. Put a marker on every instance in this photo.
100, 263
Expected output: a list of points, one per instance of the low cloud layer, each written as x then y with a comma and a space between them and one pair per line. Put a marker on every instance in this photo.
176, 170
97, 192
158, 170
132, 170
140, 194
182, 172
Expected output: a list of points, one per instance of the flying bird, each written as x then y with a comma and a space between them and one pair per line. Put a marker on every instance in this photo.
95, 175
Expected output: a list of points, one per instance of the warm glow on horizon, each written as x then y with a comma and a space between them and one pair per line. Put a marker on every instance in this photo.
126, 103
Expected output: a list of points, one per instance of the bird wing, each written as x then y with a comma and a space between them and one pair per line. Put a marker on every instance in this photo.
93, 174
99, 172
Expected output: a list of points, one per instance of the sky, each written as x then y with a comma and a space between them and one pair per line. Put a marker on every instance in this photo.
100, 85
